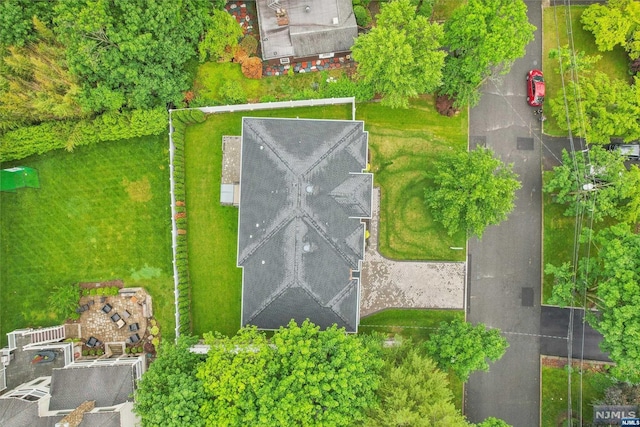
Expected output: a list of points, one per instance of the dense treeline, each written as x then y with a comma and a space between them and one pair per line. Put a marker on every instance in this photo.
76, 72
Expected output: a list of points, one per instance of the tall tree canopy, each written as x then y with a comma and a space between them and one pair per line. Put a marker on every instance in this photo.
35, 83
131, 52
465, 348
301, 376
471, 190
169, 393
598, 183
615, 24
619, 295
414, 392
483, 36
16, 20
401, 56
598, 114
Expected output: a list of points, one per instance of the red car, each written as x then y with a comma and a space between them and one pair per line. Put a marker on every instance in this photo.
535, 88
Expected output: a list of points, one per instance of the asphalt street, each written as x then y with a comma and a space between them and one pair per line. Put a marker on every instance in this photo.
554, 331
504, 266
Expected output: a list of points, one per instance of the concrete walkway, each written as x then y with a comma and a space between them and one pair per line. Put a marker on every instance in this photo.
406, 284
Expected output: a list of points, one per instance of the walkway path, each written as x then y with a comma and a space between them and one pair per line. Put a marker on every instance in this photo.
406, 284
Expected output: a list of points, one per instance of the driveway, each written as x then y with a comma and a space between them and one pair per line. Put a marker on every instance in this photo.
406, 284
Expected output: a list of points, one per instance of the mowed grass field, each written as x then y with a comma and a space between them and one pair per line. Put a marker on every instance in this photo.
101, 213
216, 282
615, 63
555, 390
404, 145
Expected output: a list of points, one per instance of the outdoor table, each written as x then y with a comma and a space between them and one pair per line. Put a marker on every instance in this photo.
120, 323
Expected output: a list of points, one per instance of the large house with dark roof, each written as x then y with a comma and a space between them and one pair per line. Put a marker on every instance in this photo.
301, 240
297, 30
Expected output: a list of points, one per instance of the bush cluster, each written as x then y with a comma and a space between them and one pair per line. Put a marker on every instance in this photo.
39, 139
179, 121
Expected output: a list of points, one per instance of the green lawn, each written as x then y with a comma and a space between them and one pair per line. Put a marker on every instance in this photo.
404, 145
101, 213
417, 325
615, 63
211, 76
554, 394
216, 282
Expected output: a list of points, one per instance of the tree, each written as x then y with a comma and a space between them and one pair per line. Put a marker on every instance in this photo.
465, 348
570, 285
64, 300
619, 294
169, 393
614, 24
414, 392
36, 83
134, 48
223, 36
483, 36
597, 114
470, 191
400, 57
302, 376
493, 422
16, 20
598, 183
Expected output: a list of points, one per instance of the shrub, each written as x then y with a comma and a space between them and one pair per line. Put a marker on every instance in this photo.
39, 139
345, 87
363, 16
249, 44
127, 350
156, 342
154, 330
268, 98
92, 352
252, 68
232, 92
64, 300
85, 352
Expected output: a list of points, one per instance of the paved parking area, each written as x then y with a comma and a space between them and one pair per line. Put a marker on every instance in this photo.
406, 284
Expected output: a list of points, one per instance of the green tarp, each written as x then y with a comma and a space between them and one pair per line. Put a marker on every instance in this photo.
18, 177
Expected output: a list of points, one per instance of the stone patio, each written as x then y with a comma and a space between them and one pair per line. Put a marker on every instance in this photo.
406, 284
94, 322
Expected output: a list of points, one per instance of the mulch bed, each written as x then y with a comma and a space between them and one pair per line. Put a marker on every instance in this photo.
587, 365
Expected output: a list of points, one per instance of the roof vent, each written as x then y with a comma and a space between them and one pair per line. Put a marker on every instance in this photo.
309, 188
307, 9
306, 247
335, 21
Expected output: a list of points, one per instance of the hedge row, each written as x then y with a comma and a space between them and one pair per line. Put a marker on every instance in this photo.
180, 120
39, 139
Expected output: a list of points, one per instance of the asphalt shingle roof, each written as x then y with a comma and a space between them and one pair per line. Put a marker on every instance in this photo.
303, 194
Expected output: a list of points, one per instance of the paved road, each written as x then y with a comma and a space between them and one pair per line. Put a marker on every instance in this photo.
554, 327
504, 267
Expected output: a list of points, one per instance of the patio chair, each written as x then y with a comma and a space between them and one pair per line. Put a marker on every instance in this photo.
134, 327
92, 342
115, 317
135, 338
107, 308
102, 300
126, 314
79, 310
85, 307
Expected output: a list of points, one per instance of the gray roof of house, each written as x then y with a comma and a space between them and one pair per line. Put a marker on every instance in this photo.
107, 385
300, 235
101, 419
16, 412
308, 33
